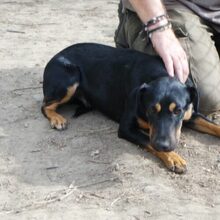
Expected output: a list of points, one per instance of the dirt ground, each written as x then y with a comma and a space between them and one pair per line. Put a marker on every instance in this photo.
85, 172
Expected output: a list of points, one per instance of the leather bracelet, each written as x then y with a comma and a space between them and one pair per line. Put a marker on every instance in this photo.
160, 28
154, 21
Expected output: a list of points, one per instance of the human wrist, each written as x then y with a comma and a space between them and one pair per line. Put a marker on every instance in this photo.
157, 24
156, 21
159, 38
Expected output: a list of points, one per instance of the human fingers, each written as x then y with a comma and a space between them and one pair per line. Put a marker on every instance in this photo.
178, 68
181, 67
185, 66
168, 62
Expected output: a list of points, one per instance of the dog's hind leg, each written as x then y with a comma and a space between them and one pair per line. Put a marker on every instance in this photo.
200, 123
61, 79
82, 105
49, 109
80, 110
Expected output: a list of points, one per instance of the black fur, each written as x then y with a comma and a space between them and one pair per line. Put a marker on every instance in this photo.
125, 85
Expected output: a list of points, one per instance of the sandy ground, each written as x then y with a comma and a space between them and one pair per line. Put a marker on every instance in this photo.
85, 172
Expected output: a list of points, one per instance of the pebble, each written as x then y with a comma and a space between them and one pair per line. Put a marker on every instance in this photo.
202, 184
207, 170
184, 145
2, 133
116, 167
95, 153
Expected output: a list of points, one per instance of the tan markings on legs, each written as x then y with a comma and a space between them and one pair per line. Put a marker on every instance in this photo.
207, 127
158, 107
70, 92
171, 160
188, 113
172, 106
56, 120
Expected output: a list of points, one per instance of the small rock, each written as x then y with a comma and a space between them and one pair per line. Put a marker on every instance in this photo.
207, 170
146, 211
71, 186
2, 133
116, 167
202, 184
95, 153
26, 125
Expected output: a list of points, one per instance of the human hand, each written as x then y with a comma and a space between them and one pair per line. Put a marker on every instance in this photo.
169, 49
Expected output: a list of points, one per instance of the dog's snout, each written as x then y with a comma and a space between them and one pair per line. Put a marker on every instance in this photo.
163, 144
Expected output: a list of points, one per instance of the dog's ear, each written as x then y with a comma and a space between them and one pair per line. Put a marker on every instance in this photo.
143, 87
142, 93
194, 97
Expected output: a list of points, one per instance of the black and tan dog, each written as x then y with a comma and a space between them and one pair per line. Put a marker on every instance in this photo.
131, 88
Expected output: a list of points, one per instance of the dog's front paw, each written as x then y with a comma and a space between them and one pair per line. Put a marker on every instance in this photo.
58, 122
171, 159
173, 162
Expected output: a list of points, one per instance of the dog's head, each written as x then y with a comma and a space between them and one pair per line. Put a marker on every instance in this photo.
166, 103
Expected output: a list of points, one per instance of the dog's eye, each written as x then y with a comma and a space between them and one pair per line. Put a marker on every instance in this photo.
177, 111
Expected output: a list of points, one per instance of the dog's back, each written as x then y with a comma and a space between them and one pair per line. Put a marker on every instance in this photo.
106, 75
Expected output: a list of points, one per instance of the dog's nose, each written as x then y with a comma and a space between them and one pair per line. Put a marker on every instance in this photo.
163, 144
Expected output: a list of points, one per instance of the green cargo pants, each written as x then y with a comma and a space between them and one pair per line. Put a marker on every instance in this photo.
195, 37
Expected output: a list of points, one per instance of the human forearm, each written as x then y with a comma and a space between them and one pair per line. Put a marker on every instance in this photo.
163, 40
147, 9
